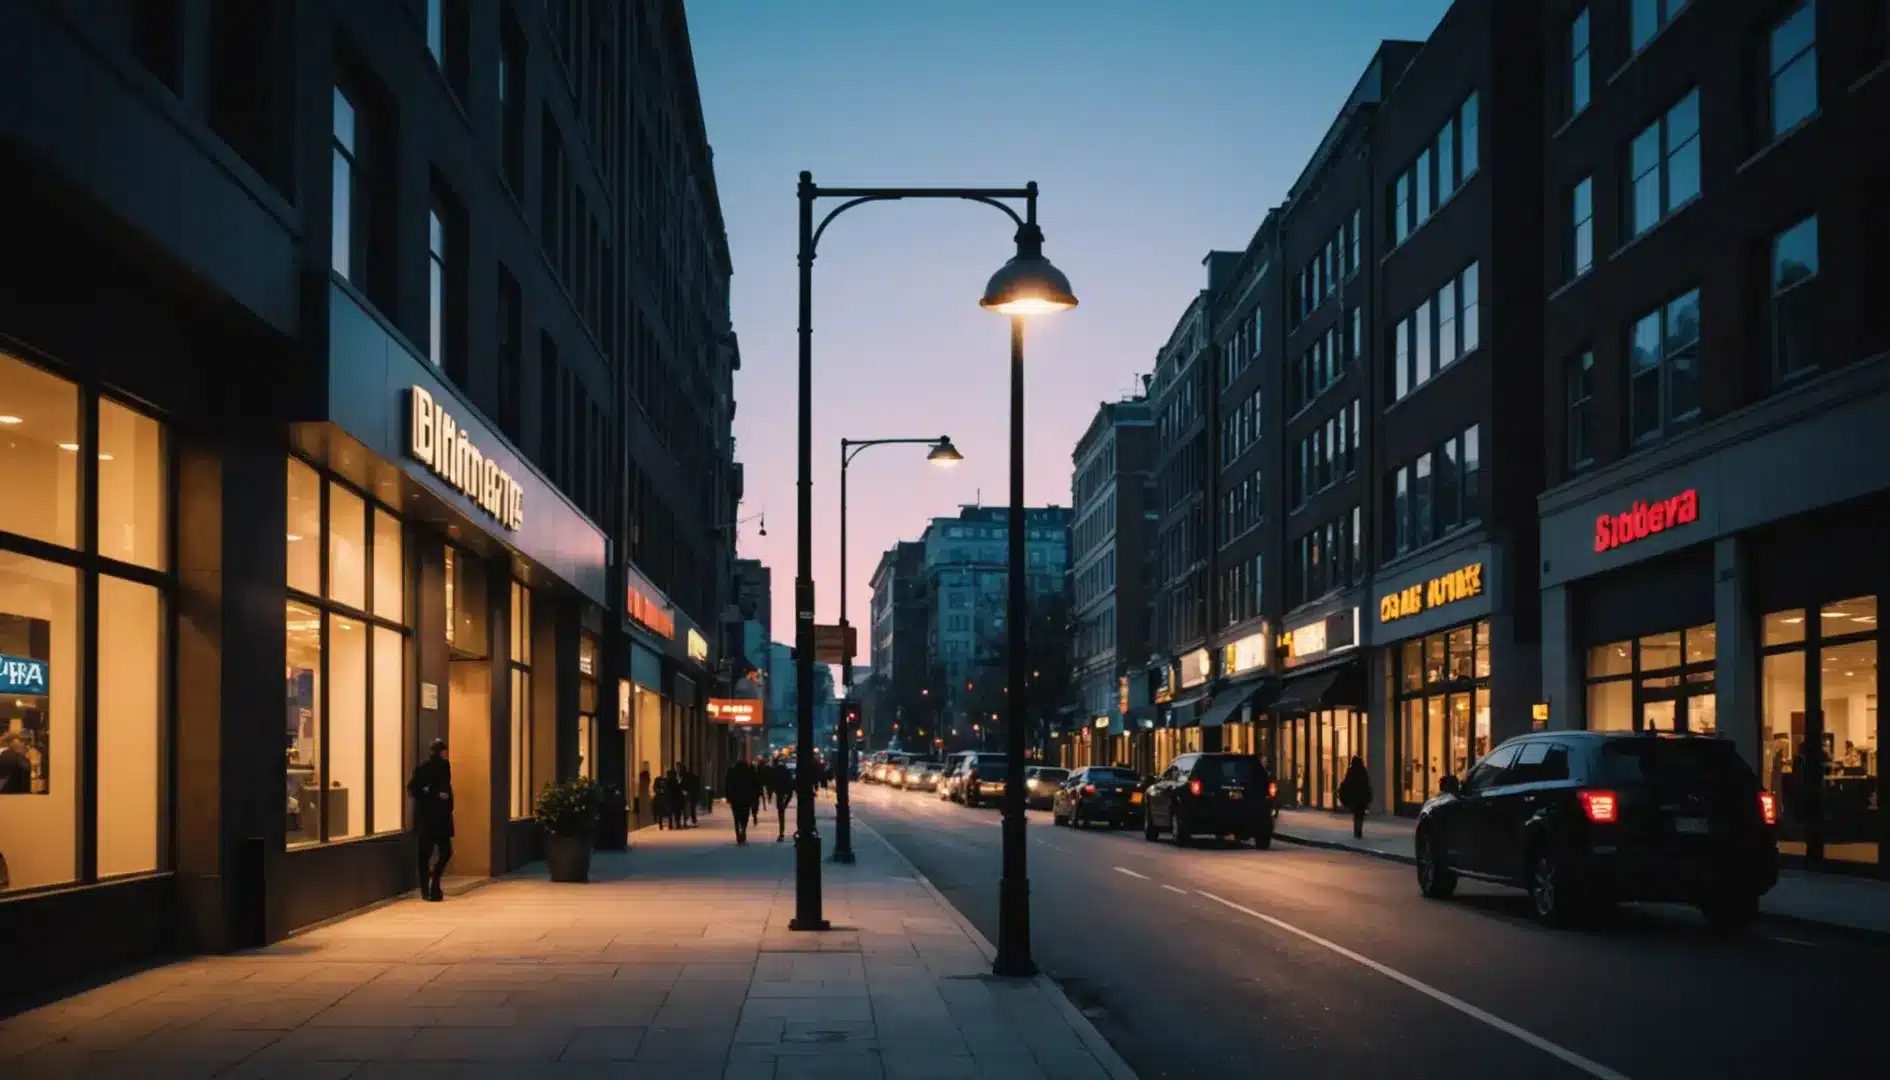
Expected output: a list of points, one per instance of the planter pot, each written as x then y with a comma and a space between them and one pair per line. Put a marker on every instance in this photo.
569, 857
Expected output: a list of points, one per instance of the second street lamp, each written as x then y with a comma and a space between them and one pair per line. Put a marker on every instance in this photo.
943, 454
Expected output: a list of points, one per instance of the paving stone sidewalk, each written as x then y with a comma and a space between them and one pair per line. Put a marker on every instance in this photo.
674, 963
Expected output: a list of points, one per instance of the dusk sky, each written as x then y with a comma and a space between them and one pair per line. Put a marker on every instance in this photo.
1157, 132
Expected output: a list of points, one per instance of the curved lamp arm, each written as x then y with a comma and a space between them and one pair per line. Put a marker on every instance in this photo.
850, 448
988, 197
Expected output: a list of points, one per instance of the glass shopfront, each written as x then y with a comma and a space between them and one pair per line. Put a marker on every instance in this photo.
1660, 682
1315, 749
587, 707
346, 725
1821, 740
1441, 699
66, 448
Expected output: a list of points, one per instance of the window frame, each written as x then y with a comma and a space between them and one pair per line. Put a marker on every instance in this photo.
1667, 422
1776, 69
1779, 295
1666, 151
1578, 85
1578, 372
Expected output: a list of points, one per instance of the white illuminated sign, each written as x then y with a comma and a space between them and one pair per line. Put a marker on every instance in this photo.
698, 648
1194, 668
438, 442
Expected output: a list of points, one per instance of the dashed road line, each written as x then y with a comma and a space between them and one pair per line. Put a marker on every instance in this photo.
1131, 873
1171, 888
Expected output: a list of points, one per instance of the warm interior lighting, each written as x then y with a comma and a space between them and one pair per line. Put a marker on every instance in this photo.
293, 538
10, 419
1768, 807
1601, 807
69, 447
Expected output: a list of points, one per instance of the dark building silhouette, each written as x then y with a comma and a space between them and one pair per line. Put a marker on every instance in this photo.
901, 614
370, 367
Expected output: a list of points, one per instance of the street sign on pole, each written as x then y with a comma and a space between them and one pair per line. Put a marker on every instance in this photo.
834, 644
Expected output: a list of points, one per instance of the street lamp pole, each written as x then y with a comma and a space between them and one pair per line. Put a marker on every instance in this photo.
1026, 285
943, 453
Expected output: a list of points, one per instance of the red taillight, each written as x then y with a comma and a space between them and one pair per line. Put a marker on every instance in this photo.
1194, 787
1273, 790
1768, 807
1601, 807
1089, 789
971, 777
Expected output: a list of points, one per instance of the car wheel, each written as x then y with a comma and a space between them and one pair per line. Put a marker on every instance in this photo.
1730, 914
1550, 894
1149, 832
1182, 837
1263, 840
1435, 880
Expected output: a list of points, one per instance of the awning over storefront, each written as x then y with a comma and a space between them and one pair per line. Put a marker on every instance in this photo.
1261, 692
1184, 713
1338, 687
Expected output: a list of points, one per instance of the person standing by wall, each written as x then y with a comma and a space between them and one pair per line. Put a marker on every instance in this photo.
692, 792
431, 787
1355, 794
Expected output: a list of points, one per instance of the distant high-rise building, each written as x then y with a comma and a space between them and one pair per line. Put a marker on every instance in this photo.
1108, 538
900, 643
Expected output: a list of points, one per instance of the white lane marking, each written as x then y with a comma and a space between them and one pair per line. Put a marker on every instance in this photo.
1131, 873
1562, 1053
1794, 941
1171, 888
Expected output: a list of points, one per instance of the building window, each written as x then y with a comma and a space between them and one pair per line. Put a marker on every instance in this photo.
1581, 232
1664, 368
1442, 700
1357, 232
1648, 17
1578, 63
511, 331
1664, 165
1469, 129
55, 579
1792, 52
1661, 682
522, 727
447, 30
1794, 292
436, 284
512, 104
1442, 330
349, 207
1579, 378
1820, 754
1433, 495
345, 620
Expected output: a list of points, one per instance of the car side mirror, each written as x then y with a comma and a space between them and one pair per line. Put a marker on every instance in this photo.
1450, 785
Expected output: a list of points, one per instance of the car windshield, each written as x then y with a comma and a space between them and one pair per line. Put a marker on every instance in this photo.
1677, 765
1126, 775
990, 765
1052, 774
1228, 770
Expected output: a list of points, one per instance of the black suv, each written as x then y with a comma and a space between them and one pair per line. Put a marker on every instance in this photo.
1217, 794
1582, 819
1106, 793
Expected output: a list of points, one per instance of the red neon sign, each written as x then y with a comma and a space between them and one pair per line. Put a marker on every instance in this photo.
1646, 519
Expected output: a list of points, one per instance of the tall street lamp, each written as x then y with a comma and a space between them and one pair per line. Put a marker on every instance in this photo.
1025, 285
943, 454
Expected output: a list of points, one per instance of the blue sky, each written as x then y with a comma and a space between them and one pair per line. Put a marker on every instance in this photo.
1157, 131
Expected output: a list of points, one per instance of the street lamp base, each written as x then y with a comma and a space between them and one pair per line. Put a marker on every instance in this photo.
798, 925
843, 857
1013, 946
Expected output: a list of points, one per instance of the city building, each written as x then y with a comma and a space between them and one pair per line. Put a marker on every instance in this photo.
967, 575
1110, 497
897, 687
1716, 362
320, 332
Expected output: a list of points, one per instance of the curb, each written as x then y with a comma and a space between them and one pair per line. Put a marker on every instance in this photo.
1093, 1041
1335, 845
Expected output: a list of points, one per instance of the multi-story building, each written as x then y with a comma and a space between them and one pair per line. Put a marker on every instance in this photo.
1716, 361
335, 325
1108, 535
898, 685
967, 575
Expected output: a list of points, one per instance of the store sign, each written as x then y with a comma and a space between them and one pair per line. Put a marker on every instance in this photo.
1247, 654
1122, 695
1464, 583
1194, 668
1335, 632
1643, 520
437, 441
738, 712
641, 602
1102, 722
22, 675
698, 648
1165, 691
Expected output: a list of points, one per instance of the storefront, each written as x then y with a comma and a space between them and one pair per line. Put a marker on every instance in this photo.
1245, 693
1318, 721
1725, 589
1432, 657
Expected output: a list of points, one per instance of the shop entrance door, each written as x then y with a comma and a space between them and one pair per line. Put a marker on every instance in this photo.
1672, 705
469, 747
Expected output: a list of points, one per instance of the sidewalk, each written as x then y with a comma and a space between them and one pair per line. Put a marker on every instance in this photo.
674, 963
1833, 900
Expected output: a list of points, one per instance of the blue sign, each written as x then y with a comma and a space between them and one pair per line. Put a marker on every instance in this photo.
22, 675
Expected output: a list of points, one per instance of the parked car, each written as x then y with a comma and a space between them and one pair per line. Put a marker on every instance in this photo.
977, 778
1108, 794
1583, 819
1041, 784
1224, 795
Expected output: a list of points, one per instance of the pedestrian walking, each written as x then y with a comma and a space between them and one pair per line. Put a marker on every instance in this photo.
659, 800
692, 792
781, 783
431, 787
676, 796
1355, 794
739, 787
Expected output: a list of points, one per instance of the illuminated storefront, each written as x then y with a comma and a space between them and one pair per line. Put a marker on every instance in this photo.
1319, 720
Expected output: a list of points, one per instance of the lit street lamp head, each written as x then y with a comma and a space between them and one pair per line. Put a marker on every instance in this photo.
1028, 284
945, 454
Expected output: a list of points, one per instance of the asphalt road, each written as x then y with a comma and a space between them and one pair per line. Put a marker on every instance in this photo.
1220, 961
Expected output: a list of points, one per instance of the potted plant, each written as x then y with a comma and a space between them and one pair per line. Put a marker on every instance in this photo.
567, 811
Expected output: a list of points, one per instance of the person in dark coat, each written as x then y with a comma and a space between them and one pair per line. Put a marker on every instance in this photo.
659, 800
16, 768
692, 792
1355, 794
739, 787
674, 804
781, 785
431, 787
